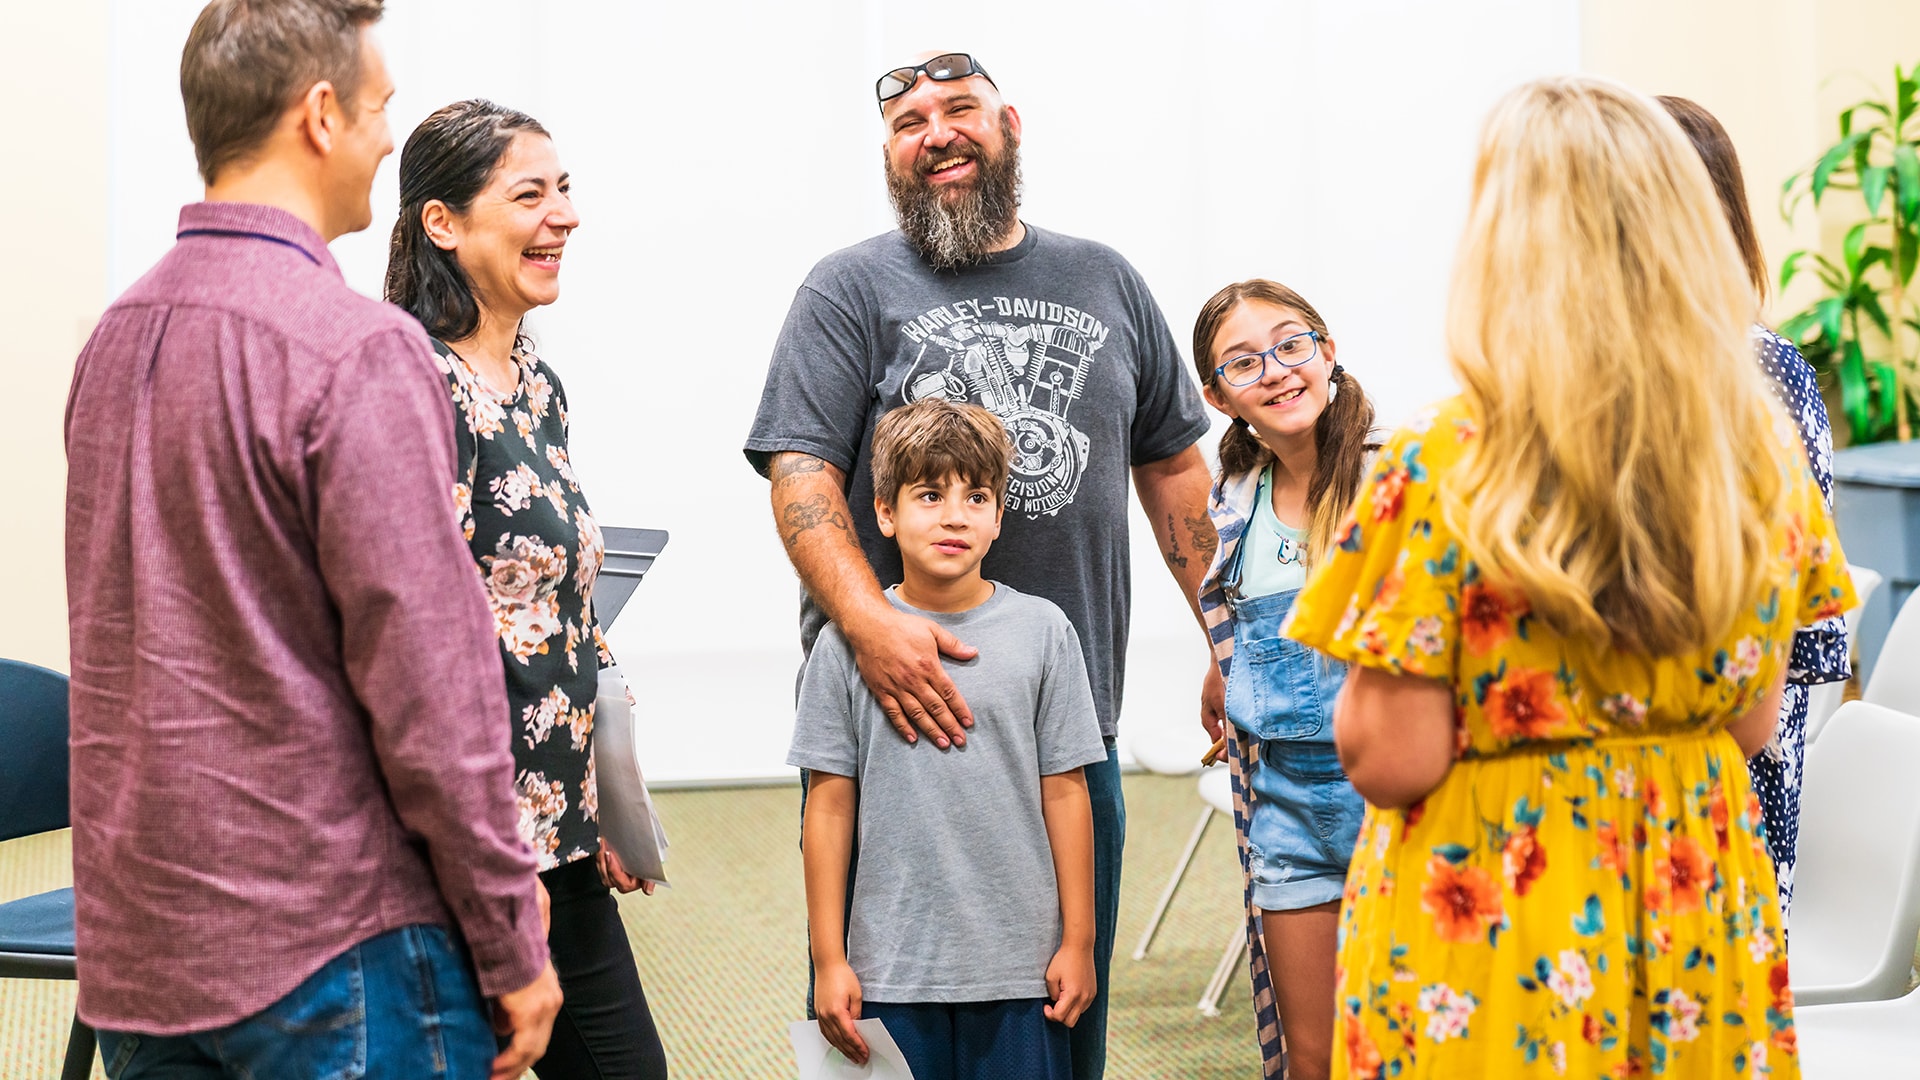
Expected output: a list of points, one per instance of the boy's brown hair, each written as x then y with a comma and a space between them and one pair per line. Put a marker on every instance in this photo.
934, 438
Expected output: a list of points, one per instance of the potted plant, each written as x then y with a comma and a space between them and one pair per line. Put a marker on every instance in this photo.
1864, 332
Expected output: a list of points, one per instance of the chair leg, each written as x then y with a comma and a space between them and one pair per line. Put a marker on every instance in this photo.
1173, 884
81, 1046
1223, 974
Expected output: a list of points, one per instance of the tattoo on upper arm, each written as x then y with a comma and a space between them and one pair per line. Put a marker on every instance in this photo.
1174, 557
1205, 540
792, 464
801, 517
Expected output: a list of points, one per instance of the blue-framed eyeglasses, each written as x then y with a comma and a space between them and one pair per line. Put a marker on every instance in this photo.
1291, 352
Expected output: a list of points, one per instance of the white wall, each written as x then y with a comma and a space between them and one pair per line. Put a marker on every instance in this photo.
54, 292
720, 148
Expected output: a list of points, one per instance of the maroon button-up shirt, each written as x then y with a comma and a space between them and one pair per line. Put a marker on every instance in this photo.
290, 728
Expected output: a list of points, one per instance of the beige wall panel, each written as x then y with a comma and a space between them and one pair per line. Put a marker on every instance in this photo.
1749, 62
1776, 73
1859, 42
53, 56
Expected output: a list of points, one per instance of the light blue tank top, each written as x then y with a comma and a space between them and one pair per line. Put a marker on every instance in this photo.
1275, 558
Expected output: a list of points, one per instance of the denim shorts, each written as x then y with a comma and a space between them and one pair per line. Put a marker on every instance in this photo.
1306, 819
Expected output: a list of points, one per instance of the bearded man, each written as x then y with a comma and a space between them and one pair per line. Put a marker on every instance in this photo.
1057, 336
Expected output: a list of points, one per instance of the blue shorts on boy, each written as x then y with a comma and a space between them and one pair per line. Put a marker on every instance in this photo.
1306, 814
978, 1040
956, 899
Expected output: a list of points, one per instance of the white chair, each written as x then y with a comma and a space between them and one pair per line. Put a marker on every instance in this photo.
1168, 752
1863, 1038
1856, 897
1216, 790
1896, 678
1825, 698
1216, 796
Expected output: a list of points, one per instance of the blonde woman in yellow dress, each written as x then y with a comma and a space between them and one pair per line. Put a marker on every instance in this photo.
1566, 597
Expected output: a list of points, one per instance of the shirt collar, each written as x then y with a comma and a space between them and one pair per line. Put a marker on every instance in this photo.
256, 222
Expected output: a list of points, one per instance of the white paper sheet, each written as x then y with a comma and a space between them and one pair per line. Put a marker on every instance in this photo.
627, 816
820, 1061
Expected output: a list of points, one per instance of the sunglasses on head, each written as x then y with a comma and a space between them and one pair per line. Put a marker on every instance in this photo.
945, 68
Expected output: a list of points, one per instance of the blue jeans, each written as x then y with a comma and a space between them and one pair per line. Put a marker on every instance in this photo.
399, 1006
1109, 839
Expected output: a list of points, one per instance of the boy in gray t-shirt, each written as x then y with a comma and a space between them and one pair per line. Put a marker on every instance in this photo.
970, 932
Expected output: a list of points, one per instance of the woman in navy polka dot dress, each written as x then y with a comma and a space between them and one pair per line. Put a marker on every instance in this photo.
1820, 651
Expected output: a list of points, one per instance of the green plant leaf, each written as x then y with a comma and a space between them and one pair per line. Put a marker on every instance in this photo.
1873, 255
1831, 160
1831, 310
1873, 186
1908, 243
1866, 300
1854, 400
1851, 247
1877, 106
1829, 274
1906, 89
1791, 192
1906, 166
1887, 397
1795, 328
1788, 268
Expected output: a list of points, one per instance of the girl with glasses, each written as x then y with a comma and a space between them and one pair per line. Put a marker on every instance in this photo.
1290, 468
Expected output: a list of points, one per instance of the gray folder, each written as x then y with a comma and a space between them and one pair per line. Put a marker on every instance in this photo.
630, 554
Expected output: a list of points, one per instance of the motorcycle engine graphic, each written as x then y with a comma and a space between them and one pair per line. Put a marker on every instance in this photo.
1049, 456
1028, 376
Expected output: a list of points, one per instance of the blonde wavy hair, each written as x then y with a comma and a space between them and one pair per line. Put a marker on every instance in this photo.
1627, 469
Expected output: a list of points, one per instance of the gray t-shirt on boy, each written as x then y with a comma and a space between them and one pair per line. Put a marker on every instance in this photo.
1059, 338
956, 898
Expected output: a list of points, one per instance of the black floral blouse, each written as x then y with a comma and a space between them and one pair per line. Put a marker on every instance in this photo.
538, 550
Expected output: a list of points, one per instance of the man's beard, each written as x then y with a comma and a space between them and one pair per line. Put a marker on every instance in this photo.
960, 230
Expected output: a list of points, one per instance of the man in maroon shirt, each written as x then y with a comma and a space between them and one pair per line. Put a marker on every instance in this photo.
295, 840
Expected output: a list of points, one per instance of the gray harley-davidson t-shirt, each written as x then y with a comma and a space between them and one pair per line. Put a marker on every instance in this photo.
956, 898
1060, 339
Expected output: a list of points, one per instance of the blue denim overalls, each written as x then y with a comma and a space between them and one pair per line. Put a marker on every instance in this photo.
1306, 815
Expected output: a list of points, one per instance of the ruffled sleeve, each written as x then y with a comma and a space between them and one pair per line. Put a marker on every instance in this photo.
1388, 596
1826, 588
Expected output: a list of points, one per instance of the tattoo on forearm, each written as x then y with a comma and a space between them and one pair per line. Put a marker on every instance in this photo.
1205, 540
1174, 558
794, 464
801, 517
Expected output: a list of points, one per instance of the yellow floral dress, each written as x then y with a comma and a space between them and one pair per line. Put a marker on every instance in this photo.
1588, 892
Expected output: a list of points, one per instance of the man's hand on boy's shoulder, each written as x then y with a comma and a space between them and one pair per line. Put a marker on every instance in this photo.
836, 1001
899, 659
1071, 983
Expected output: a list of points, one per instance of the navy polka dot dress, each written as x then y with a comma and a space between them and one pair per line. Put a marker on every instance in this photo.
1820, 650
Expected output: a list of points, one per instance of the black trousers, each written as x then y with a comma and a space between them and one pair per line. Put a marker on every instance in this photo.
604, 1031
